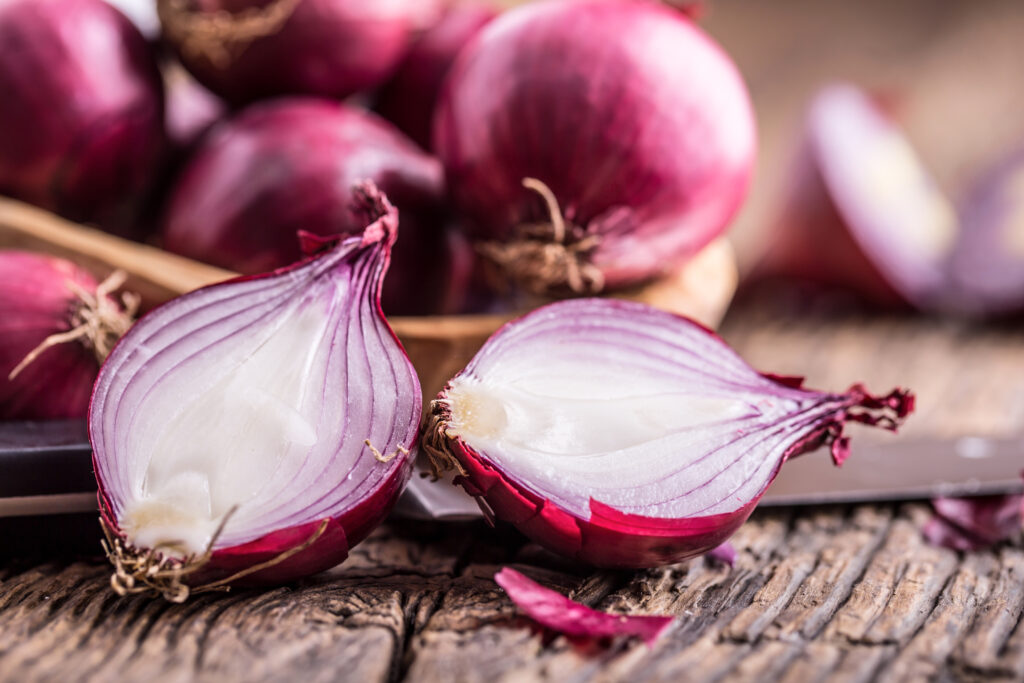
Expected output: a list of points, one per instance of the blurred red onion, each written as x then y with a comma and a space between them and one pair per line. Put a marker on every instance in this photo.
862, 213
290, 165
245, 50
637, 122
81, 118
55, 328
408, 100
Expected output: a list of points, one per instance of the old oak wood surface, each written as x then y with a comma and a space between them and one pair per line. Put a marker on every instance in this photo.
830, 593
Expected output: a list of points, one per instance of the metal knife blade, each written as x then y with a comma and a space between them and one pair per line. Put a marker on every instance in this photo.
46, 468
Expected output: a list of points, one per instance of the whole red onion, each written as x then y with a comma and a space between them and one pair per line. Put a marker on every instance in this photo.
408, 100
289, 165
637, 122
249, 49
55, 329
81, 109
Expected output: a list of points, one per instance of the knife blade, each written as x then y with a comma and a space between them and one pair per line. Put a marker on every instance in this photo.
46, 469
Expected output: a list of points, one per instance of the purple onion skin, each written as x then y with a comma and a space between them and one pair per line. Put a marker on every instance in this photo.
332, 48
81, 121
35, 302
289, 165
636, 120
615, 539
408, 100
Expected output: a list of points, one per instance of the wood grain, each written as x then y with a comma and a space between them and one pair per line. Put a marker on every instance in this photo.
831, 594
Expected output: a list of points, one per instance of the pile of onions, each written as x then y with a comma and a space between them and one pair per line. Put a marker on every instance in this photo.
81, 122
249, 49
257, 429
635, 127
657, 456
408, 100
57, 324
862, 213
284, 166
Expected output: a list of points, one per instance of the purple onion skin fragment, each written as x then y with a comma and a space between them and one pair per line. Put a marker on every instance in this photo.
553, 610
706, 473
987, 264
977, 523
81, 117
860, 213
639, 124
366, 376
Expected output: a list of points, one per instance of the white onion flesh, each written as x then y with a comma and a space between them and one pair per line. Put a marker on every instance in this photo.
635, 412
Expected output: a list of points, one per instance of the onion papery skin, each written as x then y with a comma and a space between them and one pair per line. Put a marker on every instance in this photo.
332, 48
409, 99
379, 399
35, 303
617, 537
856, 196
987, 264
81, 124
638, 123
287, 165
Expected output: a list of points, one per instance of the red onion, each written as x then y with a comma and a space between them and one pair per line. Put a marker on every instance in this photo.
987, 265
191, 108
286, 166
249, 49
256, 429
625, 436
635, 120
557, 612
408, 100
82, 115
862, 213
56, 327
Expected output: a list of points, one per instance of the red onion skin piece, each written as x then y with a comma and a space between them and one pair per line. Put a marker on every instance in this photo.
341, 532
977, 523
557, 612
639, 124
35, 302
614, 539
284, 166
332, 48
409, 99
81, 126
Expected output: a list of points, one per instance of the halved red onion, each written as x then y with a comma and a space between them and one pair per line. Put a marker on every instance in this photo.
245, 50
57, 324
287, 165
256, 429
635, 127
987, 265
409, 98
81, 109
625, 436
553, 610
862, 213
